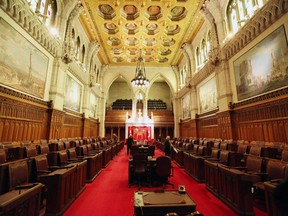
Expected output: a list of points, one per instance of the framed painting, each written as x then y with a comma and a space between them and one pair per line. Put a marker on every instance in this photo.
208, 96
186, 106
73, 93
264, 67
93, 105
22, 65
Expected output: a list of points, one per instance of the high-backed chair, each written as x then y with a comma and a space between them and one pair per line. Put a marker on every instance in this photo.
151, 150
164, 170
139, 168
18, 174
275, 171
30, 151
284, 155
2, 156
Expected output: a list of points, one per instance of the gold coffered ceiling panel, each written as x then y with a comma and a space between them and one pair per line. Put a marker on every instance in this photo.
157, 27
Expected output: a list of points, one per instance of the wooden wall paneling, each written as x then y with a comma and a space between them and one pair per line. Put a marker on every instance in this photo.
56, 123
225, 125
73, 125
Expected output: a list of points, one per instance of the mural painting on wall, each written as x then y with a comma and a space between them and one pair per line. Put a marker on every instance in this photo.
264, 67
208, 96
72, 94
22, 65
186, 106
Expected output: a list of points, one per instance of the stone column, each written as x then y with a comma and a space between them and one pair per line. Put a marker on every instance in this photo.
57, 89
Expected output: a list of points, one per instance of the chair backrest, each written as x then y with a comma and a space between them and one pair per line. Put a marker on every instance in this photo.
71, 153
41, 162
63, 158
224, 156
255, 150
195, 148
242, 148
134, 149
30, 151
18, 174
215, 153
139, 163
223, 146
201, 150
2, 156
151, 150
254, 164
284, 155
163, 166
43, 149
276, 169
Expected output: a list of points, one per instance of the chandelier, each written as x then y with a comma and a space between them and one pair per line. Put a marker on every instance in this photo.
140, 79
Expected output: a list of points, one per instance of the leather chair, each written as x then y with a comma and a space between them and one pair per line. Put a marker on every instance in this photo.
140, 169
2, 156
151, 150
30, 151
18, 175
275, 172
164, 170
284, 155
134, 150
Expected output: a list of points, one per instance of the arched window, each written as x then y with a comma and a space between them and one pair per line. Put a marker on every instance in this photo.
209, 42
238, 12
198, 62
78, 48
46, 9
83, 54
203, 52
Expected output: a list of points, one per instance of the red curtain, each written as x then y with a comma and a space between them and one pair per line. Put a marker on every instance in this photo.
140, 132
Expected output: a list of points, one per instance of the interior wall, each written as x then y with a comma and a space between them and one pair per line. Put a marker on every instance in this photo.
118, 90
160, 90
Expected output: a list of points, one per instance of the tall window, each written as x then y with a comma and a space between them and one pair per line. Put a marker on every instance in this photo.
202, 51
78, 48
46, 9
238, 12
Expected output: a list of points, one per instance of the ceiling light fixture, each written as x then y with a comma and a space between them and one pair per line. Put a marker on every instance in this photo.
140, 80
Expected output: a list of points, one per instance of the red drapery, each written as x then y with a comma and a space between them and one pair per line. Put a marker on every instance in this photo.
140, 132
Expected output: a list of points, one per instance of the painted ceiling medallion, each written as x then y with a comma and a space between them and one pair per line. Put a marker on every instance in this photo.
162, 59
113, 41
132, 59
132, 51
152, 29
130, 12
150, 42
131, 41
168, 42
148, 51
116, 51
153, 12
110, 28
172, 29
118, 59
106, 11
148, 59
131, 28
177, 13
164, 52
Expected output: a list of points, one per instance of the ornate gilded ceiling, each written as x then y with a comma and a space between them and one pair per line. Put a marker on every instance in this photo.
156, 27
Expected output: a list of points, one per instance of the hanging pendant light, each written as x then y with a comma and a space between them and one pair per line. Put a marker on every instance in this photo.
140, 80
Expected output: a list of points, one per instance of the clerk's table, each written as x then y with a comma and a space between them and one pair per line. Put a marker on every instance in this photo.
154, 203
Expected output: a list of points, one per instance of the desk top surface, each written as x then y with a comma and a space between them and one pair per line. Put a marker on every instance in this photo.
162, 198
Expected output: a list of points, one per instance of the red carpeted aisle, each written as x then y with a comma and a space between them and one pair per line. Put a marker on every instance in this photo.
109, 194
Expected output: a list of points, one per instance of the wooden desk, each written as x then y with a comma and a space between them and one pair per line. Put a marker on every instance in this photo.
152, 203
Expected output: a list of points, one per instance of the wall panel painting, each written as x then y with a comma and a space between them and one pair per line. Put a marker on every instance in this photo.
186, 106
264, 67
208, 96
22, 65
73, 92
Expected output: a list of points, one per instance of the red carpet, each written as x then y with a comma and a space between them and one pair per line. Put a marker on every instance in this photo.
109, 194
